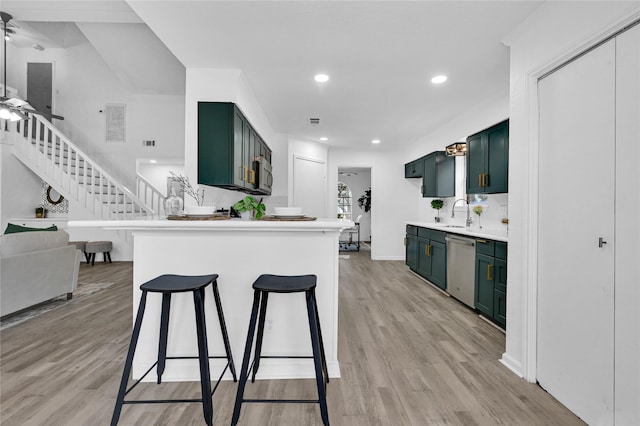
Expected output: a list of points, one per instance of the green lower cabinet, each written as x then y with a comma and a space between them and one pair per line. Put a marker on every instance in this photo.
438, 256
411, 252
431, 257
491, 283
500, 307
484, 284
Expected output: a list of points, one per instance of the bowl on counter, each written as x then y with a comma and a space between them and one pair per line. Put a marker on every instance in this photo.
287, 211
199, 210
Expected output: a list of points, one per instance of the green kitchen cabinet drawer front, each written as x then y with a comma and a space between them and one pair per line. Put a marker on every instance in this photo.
438, 255
424, 232
439, 236
500, 308
411, 252
485, 284
485, 247
412, 230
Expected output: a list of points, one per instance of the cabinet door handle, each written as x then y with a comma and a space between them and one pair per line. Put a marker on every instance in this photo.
486, 179
246, 173
252, 176
480, 180
489, 267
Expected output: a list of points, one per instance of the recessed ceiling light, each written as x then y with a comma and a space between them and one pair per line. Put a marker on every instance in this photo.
438, 79
321, 78
375, 141
324, 139
153, 161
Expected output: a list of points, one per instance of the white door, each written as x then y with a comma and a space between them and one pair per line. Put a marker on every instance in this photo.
310, 186
575, 359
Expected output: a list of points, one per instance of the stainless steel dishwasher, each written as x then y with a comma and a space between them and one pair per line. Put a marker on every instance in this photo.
461, 268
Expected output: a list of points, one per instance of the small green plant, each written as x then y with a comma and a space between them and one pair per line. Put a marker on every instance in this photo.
248, 204
437, 204
477, 210
364, 202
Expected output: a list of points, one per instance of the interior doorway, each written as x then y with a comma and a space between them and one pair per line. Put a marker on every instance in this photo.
354, 203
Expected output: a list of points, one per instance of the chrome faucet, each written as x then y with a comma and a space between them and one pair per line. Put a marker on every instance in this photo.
453, 211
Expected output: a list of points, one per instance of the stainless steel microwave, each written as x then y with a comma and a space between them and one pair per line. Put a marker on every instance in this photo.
265, 178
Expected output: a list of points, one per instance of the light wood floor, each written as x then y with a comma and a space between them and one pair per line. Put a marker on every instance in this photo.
408, 356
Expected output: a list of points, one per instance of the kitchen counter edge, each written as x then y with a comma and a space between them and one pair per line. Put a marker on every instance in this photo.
490, 234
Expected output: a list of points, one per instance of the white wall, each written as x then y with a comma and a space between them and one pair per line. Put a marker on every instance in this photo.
228, 85
83, 85
157, 174
552, 34
391, 195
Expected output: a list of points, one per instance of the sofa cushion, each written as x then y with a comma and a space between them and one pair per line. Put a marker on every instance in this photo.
25, 242
12, 229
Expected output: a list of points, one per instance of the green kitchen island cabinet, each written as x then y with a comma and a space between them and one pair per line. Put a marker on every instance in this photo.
488, 160
228, 147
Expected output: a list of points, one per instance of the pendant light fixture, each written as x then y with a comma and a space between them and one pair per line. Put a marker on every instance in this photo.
456, 149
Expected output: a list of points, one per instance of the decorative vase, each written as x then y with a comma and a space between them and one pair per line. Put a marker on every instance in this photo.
173, 204
246, 215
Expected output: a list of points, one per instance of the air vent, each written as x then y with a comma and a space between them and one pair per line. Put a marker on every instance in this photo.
314, 121
148, 143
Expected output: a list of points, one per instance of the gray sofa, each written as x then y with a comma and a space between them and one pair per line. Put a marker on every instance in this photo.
35, 267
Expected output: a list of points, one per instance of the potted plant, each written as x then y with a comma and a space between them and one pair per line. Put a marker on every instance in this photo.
248, 205
437, 204
478, 210
364, 202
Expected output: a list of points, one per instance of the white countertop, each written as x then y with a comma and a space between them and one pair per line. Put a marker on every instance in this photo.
160, 223
496, 234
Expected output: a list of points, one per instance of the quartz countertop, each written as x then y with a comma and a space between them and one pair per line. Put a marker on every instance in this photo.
161, 223
496, 234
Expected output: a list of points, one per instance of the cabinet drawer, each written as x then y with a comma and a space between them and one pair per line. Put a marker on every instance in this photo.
438, 236
412, 230
501, 250
424, 232
485, 247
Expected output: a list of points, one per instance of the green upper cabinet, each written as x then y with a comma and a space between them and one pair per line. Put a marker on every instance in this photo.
439, 176
228, 147
413, 169
488, 160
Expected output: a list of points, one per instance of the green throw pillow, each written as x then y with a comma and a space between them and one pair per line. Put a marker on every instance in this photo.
12, 229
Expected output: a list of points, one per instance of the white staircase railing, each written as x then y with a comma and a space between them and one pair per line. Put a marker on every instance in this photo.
149, 195
51, 155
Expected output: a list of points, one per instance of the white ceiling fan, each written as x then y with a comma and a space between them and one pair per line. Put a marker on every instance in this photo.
12, 109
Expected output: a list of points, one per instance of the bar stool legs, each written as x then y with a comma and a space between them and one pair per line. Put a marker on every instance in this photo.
258, 315
166, 286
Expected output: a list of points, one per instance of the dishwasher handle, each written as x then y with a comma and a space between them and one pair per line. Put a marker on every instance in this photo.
460, 240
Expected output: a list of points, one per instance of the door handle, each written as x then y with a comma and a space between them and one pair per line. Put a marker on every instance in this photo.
489, 277
601, 242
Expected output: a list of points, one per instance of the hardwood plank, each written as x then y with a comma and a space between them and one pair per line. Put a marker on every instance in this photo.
409, 355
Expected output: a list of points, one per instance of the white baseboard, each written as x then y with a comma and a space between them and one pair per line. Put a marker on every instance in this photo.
512, 364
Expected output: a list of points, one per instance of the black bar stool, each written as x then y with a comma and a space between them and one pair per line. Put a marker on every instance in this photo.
167, 285
264, 285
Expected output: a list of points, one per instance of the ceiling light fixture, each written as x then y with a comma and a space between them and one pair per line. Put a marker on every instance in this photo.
439, 79
457, 149
324, 139
375, 141
321, 78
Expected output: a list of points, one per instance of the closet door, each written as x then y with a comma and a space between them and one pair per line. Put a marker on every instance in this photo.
575, 359
627, 262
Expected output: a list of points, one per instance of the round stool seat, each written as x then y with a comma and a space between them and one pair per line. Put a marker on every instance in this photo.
178, 283
98, 246
284, 284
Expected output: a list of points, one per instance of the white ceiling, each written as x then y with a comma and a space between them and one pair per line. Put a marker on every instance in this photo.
380, 56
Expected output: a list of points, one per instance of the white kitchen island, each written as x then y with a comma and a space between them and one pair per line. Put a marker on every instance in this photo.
238, 251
